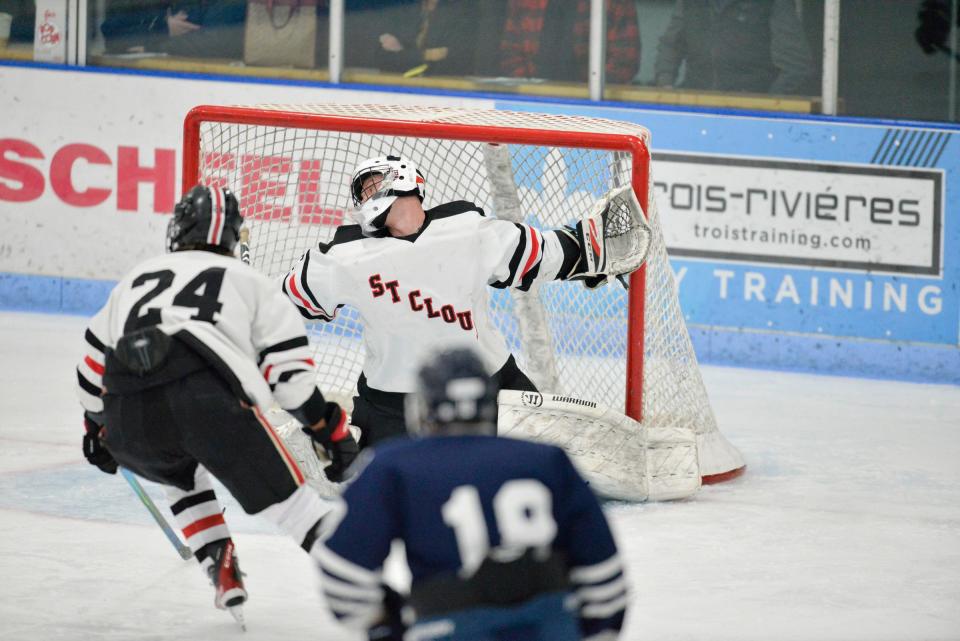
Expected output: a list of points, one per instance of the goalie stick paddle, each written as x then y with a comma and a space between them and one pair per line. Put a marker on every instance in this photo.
182, 549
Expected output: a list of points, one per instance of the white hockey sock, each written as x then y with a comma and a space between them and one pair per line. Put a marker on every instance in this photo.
298, 513
197, 512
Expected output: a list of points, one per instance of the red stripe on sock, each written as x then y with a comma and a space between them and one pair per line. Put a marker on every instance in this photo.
203, 524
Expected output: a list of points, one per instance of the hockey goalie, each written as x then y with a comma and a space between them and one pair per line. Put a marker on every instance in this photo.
419, 279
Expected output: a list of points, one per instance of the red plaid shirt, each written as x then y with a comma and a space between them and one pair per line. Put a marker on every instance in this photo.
521, 39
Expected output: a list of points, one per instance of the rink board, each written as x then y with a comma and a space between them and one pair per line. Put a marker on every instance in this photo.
820, 244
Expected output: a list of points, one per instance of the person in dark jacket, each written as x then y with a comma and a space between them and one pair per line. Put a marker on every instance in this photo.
550, 39
24, 17
755, 46
422, 37
193, 28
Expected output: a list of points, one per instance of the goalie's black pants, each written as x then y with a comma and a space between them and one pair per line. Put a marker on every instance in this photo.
379, 414
163, 431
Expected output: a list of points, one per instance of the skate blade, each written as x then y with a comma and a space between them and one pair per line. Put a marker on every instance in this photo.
236, 612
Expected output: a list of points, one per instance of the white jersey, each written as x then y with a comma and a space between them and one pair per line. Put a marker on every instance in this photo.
428, 290
226, 310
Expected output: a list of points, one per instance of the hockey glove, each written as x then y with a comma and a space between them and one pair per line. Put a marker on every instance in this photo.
93, 448
592, 281
336, 441
391, 626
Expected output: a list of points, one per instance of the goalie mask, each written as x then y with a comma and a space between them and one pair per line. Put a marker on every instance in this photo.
455, 395
205, 218
371, 203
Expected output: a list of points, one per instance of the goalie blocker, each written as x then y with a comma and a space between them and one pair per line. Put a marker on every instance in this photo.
621, 458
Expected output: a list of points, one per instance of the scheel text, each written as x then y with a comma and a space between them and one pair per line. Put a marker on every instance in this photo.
83, 175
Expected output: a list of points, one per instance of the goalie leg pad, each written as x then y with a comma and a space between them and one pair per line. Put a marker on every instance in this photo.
621, 458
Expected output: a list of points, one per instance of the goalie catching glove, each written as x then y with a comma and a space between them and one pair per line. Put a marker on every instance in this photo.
332, 439
614, 238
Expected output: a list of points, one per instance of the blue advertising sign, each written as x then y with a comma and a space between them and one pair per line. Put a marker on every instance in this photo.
809, 244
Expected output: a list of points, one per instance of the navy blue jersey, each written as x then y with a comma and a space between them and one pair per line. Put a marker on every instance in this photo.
454, 501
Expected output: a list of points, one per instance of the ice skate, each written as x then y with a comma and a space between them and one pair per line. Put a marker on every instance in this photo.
221, 566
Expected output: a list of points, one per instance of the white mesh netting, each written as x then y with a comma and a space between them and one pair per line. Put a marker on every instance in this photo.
292, 177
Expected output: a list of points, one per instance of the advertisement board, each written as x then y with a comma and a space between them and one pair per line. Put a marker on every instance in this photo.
90, 161
858, 217
809, 244
796, 243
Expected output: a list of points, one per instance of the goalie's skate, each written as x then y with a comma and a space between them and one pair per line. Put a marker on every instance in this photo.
224, 573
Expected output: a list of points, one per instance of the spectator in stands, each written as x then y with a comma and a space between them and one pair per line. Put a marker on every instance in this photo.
753, 46
933, 31
24, 17
437, 39
551, 39
423, 37
194, 28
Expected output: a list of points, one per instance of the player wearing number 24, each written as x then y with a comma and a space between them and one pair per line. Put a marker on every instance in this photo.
503, 538
178, 364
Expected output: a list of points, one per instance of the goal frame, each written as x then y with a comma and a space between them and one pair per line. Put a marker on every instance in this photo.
630, 143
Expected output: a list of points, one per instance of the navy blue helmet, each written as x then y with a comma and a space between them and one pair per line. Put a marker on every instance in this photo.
454, 395
205, 218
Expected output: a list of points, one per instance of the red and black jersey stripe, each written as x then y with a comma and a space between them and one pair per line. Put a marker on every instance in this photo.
90, 370
94, 342
514, 264
524, 265
87, 386
282, 346
298, 291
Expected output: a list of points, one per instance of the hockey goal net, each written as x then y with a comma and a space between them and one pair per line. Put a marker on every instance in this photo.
628, 349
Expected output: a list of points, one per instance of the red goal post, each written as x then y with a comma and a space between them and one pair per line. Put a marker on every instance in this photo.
290, 165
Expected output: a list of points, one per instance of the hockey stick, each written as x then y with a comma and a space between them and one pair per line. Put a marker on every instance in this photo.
182, 549
245, 245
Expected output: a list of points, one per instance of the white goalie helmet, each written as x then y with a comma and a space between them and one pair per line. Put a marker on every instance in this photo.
400, 177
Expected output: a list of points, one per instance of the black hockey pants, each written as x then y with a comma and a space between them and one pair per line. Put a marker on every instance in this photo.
162, 431
379, 414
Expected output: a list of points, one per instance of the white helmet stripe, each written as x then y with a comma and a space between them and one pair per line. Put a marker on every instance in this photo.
216, 224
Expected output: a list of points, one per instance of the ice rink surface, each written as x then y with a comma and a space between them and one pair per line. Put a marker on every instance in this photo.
846, 526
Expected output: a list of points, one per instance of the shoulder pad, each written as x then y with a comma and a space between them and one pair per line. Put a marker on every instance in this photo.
454, 208
343, 234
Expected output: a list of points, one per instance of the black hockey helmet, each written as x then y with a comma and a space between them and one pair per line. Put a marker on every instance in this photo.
205, 218
454, 395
